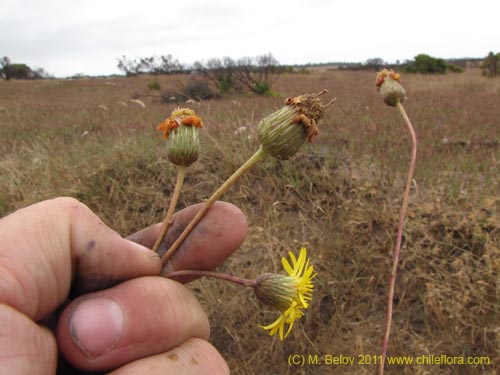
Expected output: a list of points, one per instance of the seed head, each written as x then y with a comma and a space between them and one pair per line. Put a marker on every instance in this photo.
181, 131
389, 85
283, 132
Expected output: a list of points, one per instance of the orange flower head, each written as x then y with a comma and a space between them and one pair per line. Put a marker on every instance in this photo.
179, 116
388, 84
166, 126
192, 121
383, 74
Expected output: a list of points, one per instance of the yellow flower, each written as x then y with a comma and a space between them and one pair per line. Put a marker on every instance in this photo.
288, 294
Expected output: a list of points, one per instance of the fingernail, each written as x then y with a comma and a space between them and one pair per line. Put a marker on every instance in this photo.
96, 326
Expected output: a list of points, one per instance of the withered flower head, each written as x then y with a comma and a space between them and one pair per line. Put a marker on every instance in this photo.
181, 130
388, 83
283, 132
179, 116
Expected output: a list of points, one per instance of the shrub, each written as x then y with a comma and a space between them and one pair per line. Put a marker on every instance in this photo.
198, 89
491, 65
165, 64
455, 68
254, 74
219, 73
16, 71
261, 88
154, 85
375, 64
195, 88
258, 74
426, 64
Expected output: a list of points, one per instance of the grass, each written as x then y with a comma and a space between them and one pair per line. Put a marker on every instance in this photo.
340, 197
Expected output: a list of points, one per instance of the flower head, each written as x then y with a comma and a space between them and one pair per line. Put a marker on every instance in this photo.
181, 131
289, 294
388, 83
179, 116
284, 131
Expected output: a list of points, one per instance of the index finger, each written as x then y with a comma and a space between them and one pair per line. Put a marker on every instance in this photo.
219, 233
55, 245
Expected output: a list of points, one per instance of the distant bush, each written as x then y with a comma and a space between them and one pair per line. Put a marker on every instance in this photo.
154, 85
426, 64
261, 88
223, 76
195, 88
455, 68
258, 74
219, 73
255, 74
491, 65
198, 89
165, 64
375, 64
10, 70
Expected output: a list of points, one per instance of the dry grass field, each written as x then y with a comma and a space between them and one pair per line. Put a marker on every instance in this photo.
340, 197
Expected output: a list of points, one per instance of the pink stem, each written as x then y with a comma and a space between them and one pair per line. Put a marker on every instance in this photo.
406, 197
217, 275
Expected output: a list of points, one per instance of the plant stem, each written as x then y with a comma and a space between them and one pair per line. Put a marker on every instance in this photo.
259, 155
397, 248
222, 276
181, 173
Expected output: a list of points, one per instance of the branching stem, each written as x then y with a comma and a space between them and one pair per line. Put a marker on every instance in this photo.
181, 173
259, 155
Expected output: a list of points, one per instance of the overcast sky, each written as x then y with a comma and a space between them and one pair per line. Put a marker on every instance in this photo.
66, 37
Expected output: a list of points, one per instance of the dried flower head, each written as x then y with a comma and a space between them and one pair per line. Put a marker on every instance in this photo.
167, 126
283, 132
181, 130
289, 294
179, 116
388, 83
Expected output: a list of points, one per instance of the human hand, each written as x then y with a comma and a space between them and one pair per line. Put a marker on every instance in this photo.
124, 317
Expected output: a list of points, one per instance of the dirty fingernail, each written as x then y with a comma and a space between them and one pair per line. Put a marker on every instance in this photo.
96, 326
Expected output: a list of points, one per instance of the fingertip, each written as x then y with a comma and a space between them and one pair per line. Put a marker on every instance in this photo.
237, 219
219, 233
144, 251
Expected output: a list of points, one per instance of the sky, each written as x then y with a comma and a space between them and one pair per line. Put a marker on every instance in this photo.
68, 37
